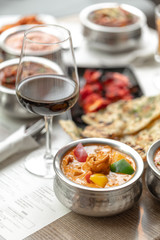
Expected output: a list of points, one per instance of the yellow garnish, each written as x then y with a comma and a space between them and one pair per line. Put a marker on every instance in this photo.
99, 179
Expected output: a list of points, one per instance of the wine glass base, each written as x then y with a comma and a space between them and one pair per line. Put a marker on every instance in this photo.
37, 165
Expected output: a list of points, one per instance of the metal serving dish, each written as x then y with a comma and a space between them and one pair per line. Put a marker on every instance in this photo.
9, 52
98, 201
8, 101
152, 177
113, 39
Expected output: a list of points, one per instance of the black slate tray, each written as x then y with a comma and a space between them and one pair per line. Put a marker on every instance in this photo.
135, 88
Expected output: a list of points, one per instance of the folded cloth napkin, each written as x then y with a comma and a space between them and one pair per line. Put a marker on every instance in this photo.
19, 141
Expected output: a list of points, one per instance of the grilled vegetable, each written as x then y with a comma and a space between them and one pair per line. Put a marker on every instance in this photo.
122, 166
99, 179
80, 153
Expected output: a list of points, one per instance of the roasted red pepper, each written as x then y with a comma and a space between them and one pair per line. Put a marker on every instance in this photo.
94, 102
92, 76
89, 89
99, 91
80, 153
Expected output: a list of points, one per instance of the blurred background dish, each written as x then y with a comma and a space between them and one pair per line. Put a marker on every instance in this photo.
17, 20
11, 37
8, 100
8, 72
11, 42
103, 29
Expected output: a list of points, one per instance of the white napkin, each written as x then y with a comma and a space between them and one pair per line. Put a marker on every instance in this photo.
19, 141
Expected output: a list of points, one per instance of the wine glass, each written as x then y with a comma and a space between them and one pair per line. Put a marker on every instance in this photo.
47, 84
156, 78
157, 22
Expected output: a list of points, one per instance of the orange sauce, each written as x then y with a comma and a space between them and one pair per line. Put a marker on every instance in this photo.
15, 41
8, 74
76, 171
113, 17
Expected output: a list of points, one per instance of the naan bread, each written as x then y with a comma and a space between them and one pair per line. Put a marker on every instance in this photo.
135, 122
143, 139
105, 130
123, 117
140, 112
107, 115
70, 127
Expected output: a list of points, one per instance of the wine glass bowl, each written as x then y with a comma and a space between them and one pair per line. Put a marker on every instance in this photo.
157, 23
49, 93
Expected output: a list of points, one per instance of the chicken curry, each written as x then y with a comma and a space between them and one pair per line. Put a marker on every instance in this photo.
98, 166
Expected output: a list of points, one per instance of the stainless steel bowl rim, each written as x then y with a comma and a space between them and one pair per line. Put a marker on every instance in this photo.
4, 35
150, 154
117, 145
86, 22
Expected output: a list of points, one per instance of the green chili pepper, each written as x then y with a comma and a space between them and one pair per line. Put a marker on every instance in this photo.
122, 166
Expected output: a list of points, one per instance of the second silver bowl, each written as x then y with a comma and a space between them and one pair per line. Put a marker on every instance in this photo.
113, 39
152, 177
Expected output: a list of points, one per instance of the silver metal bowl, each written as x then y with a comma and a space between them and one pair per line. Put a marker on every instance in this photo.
152, 176
98, 201
8, 101
113, 39
9, 52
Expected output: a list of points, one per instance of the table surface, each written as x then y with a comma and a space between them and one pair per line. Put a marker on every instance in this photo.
140, 222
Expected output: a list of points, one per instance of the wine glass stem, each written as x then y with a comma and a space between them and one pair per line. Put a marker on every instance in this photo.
48, 124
